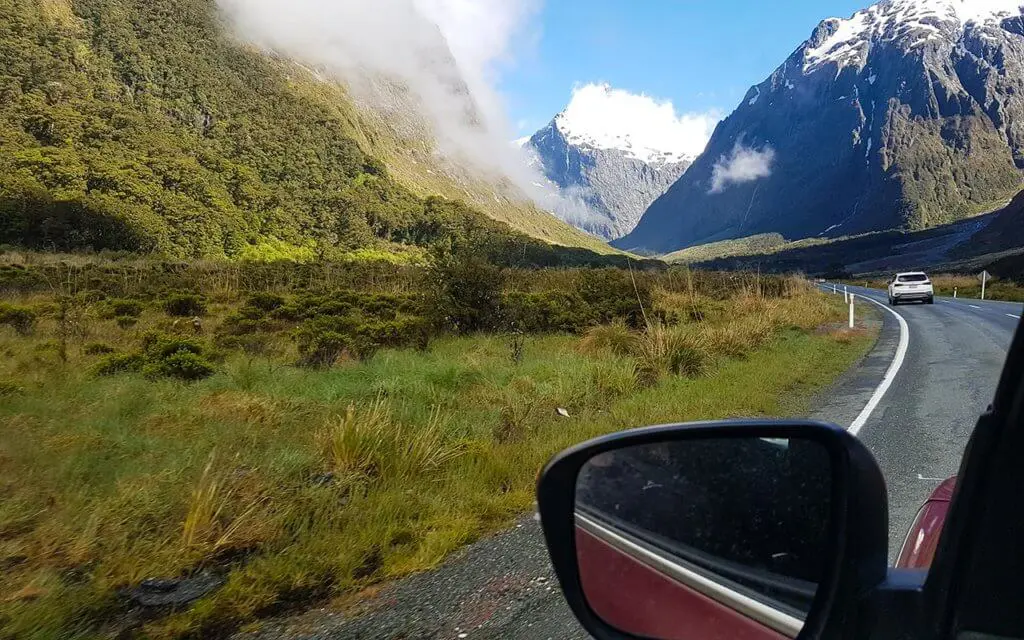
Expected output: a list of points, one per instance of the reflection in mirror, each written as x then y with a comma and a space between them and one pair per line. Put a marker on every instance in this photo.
708, 538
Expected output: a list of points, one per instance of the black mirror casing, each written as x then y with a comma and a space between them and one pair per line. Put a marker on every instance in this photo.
858, 530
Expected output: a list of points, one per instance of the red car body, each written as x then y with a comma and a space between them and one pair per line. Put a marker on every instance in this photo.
923, 537
629, 594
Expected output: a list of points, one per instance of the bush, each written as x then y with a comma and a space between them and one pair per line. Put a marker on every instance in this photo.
97, 349
118, 307
467, 292
547, 311
184, 305
161, 356
322, 341
183, 365
265, 302
22, 319
158, 346
615, 294
120, 363
127, 322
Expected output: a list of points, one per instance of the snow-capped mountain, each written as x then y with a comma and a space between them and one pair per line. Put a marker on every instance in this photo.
611, 153
908, 114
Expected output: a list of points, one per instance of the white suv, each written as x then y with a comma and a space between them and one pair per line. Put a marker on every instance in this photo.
913, 285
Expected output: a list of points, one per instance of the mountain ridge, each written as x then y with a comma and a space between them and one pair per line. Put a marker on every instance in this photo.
606, 169
912, 119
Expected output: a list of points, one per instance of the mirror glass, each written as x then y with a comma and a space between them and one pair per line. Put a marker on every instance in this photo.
708, 538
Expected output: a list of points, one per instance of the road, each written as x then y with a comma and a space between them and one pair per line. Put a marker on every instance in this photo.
503, 587
918, 431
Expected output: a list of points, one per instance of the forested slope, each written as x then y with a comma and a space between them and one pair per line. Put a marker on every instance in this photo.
141, 125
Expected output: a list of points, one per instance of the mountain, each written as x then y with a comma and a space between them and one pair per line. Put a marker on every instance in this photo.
607, 168
148, 126
907, 115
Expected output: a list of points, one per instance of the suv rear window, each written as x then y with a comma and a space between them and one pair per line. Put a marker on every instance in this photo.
919, 277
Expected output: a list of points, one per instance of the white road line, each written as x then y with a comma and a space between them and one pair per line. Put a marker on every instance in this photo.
973, 306
890, 375
1013, 316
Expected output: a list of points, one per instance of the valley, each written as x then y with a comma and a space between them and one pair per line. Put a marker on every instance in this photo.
288, 323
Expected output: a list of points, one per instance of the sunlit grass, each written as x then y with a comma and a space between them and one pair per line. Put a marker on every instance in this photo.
300, 484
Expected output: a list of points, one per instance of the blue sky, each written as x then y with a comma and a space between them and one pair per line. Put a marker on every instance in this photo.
701, 55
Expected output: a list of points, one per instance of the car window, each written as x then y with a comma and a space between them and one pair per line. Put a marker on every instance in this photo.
919, 277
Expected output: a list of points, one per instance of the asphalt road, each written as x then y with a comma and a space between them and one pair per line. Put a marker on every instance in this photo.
919, 429
503, 587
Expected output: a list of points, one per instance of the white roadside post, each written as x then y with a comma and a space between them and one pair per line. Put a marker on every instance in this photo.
846, 293
851, 312
954, 293
984, 278
834, 289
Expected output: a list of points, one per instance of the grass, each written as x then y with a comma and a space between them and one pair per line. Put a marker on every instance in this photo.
296, 484
965, 286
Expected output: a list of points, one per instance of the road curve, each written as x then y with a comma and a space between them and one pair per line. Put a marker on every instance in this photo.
920, 427
503, 587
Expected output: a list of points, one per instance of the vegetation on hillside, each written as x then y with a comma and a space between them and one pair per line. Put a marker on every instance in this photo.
273, 435
141, 125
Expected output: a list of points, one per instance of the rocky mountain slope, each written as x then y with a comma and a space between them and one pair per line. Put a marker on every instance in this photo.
607, 171
907, 115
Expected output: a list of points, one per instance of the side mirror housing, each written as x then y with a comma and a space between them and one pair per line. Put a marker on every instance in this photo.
734, 529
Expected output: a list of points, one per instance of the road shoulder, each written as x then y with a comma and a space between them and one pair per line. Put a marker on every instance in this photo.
843, 401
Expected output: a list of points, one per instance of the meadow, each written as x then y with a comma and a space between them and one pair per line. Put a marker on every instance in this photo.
281, 435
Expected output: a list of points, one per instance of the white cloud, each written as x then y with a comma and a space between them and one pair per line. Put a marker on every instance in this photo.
606, 117
743, 164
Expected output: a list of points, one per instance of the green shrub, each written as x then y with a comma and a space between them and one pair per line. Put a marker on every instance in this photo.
119, 307
97, 349
22, 319
184, 305
127, 322
548, 311
120, 363
183, 365
161, 356
159, 346
265, 302
323, 340
614, 294
466, 291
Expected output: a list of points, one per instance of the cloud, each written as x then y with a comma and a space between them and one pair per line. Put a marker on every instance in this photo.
447, 55
651, 126
743, 164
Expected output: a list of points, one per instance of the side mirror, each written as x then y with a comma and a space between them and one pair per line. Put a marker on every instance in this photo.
746, 530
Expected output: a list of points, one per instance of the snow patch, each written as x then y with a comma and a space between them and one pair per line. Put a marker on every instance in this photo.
895, 19
872, 78
645, 128
757, 95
